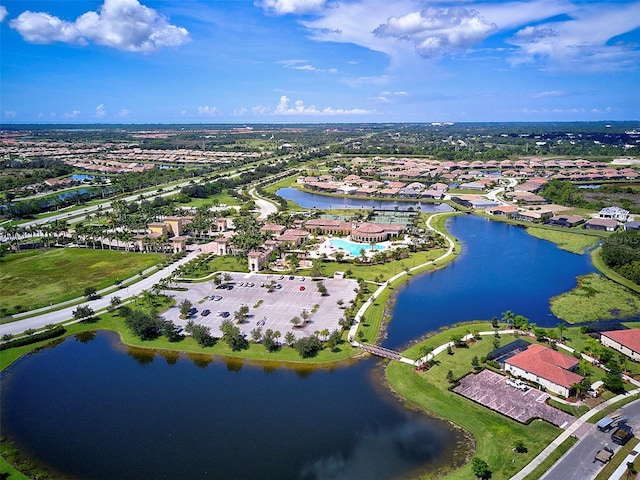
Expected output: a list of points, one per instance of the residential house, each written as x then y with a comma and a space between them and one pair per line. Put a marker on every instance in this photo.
632, 226
626, 342
603, 224
568, 221
615, 213
548, 368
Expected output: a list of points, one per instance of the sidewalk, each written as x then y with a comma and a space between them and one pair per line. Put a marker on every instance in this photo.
567, 433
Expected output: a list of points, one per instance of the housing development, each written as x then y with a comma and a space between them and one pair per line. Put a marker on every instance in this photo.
299, 244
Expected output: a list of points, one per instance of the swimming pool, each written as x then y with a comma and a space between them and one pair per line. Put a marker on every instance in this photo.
353, 248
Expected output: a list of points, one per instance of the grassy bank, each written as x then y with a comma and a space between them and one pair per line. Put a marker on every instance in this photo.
494, 434
570, 240
596, 298
186, 345
596, 258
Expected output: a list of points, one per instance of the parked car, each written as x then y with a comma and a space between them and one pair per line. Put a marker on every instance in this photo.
622, 434
205, 312
193, 311
224, 314
291, 277
302, 288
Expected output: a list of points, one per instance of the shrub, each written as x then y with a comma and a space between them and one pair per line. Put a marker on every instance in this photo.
36, 337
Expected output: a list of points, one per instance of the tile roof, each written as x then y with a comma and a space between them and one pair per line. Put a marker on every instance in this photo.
548, 364
627, 338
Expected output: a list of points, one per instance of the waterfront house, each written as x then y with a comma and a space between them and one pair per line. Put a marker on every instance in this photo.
626, 342
602, 224
568, 221
549, 368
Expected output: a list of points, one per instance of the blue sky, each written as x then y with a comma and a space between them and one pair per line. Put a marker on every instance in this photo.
245, 61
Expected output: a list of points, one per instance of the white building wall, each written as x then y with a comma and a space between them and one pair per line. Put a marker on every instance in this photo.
550, 386
608, 342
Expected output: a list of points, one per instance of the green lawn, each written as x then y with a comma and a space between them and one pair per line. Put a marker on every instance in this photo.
596, 298
387, 270
222, 198
574, 241
39, 277
494, 434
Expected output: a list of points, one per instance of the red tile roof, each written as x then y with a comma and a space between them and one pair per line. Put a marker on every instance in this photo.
548, 364
627, 338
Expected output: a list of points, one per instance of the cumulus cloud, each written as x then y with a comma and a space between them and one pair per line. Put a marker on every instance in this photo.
3, 13
295, 7
10, 114
260, 110
123, 113
122, 24
435, 31
72, 114
207, 111
284, 108
101, 112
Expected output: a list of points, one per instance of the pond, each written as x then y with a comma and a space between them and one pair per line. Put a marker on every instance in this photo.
314, 200
91, 408
501, 268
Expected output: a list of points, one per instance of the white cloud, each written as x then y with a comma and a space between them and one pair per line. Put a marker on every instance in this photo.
3, 13
298, 108
72, 114
304, 65
582, 43
123, 113
561, 34
207, 111
548, 93
100, 111
239, 112
296, 7
260, 110
10, 114
435, 31
121, 24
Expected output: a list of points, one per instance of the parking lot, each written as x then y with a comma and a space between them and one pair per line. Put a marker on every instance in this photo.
491, 390
273, 309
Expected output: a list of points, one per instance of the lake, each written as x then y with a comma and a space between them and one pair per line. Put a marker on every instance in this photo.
501, 268
95, 409
314, 200
98, 410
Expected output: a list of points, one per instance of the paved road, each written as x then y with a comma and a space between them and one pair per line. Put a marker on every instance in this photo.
578, 463
266, 207
19, 326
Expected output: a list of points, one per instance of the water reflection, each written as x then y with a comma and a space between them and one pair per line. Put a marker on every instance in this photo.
380, 453
313, 200
85, 337
141, 355
212, 422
